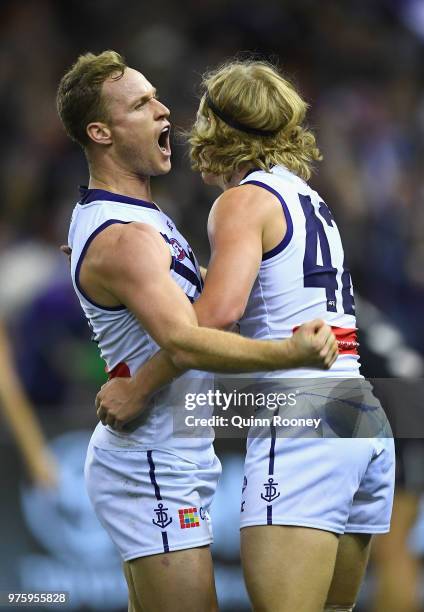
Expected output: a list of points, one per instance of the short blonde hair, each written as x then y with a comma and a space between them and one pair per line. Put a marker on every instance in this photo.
255, 95
79, 95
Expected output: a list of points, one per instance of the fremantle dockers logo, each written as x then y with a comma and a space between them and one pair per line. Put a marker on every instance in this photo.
162, 519
180, 254
270, 491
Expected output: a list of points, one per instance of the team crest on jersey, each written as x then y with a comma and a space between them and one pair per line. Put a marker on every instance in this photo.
180, 253
162, 518
270, 491
189, 517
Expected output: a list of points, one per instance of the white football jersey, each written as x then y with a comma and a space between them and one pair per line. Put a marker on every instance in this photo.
304, 277
124, 344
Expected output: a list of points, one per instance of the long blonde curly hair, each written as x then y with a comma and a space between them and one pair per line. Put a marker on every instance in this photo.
254, 94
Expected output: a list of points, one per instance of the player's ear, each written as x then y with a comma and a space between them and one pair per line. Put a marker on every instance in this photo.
99, 133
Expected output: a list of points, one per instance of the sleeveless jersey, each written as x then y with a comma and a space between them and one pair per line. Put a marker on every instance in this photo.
304, 277
124, 344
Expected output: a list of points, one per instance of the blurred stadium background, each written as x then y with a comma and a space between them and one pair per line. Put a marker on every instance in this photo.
359, 63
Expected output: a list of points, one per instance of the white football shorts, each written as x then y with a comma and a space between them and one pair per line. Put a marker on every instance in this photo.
339, 479
151, 502
339, 485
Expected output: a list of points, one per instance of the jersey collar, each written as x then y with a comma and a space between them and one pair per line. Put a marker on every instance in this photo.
94, 195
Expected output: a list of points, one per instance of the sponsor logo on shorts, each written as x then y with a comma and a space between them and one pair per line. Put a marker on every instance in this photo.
242, 506
244, 485
189, 517
203, 513
270, 491
162, 518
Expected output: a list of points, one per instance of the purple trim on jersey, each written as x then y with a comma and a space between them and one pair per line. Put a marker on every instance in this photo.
186, 273
95, 195
152, 475
183, 271
289, 233
81, 257
192, 258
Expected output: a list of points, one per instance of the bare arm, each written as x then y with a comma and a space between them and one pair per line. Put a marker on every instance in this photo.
235, 229
236, 257
164, 310
236, 245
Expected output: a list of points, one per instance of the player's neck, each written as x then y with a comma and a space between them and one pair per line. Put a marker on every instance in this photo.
236, 177
119, 180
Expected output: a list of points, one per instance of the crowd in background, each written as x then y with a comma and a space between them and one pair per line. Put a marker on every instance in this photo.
358, 63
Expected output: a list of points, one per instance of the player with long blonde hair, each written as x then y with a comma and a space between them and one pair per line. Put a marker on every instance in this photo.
309, 505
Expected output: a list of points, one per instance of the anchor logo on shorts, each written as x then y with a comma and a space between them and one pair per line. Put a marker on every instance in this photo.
162, 517
270, 491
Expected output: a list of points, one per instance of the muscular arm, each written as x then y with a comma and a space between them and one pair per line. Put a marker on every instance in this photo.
130, 263
235, 232
235, 229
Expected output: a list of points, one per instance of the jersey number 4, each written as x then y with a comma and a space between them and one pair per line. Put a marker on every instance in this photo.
323, 275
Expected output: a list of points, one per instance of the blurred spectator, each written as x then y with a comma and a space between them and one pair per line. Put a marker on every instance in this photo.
21, 418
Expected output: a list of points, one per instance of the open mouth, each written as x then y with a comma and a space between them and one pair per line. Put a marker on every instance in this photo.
163, 140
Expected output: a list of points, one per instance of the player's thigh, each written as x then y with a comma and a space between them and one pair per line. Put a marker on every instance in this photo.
133, 604
288, 568
180, 581
351, 562
405, 511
